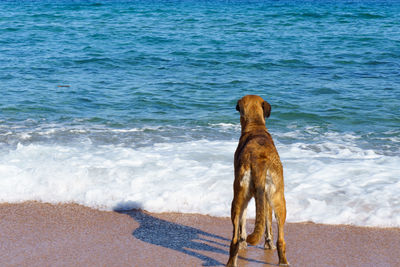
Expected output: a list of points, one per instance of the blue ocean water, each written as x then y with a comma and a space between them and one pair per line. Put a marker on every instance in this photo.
101, 100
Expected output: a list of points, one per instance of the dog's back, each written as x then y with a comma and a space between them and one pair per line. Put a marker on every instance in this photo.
257, 145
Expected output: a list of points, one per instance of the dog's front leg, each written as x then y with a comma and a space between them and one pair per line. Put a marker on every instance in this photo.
243, 233
269, 240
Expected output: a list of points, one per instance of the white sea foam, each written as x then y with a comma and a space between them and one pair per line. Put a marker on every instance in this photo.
333, 181
227, 126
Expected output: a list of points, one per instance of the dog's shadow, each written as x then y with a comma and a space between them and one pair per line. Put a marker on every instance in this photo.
174, 236
178, 237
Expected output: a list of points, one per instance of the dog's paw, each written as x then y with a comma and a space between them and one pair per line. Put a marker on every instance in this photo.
243, 245
269, 245
284, 264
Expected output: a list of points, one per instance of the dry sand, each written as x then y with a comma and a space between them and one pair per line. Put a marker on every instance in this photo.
37, 234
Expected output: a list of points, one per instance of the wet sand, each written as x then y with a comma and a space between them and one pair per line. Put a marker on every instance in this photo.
38, 234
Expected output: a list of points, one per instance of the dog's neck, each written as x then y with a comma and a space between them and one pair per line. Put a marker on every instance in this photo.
252, 126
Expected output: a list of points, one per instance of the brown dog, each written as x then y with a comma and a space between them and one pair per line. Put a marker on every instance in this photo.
258, 174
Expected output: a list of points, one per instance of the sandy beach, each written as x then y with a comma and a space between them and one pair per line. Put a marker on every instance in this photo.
38, 234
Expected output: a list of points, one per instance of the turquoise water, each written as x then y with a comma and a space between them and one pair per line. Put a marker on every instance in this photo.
334, 65
129, 74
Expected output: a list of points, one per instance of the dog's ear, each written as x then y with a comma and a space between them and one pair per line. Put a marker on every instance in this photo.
267, 109
238, 105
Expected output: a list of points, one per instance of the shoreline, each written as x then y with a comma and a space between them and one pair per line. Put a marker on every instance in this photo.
42, 234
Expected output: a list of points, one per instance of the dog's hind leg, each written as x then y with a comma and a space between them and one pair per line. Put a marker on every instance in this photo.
280, 215
238, 205
269, 240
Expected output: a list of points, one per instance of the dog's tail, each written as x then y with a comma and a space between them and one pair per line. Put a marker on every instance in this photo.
259, 227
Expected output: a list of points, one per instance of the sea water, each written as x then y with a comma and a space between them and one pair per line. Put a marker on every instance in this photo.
131, 104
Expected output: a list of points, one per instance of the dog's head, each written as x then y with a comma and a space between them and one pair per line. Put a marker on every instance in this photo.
253, 110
